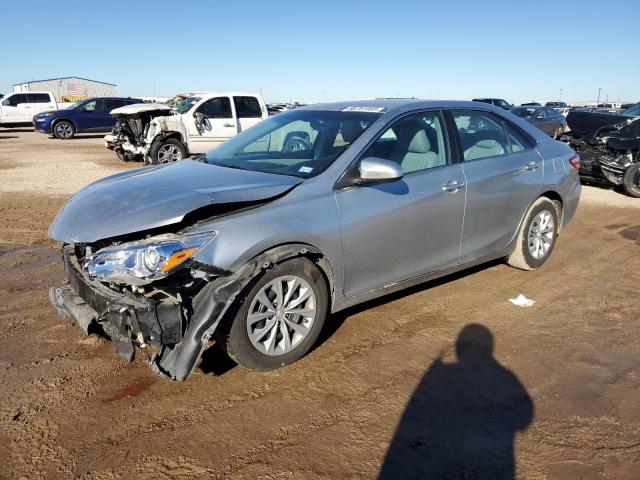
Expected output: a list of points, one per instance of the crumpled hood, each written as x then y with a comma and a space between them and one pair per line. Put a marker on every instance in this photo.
583, 123
153, 197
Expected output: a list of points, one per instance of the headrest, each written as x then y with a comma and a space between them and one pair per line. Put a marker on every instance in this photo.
350, 130
412, 137
486, 144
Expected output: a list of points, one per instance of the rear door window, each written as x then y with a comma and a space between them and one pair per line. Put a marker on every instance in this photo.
39, 98
247, 107
482, 134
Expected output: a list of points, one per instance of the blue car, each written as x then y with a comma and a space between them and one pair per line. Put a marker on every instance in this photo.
86, 116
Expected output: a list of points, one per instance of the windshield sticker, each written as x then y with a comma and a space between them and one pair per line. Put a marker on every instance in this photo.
305, 169
364, 109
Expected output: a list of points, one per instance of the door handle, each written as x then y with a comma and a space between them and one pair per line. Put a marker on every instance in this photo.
452, 186
530, 166
229, 125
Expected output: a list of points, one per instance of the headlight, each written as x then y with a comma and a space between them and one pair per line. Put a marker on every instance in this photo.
47, 114
146, 260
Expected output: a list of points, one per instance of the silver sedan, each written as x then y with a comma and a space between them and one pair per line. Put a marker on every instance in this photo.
302, 215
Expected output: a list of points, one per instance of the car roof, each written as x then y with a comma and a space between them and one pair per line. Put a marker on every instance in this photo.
221, 93
385, 105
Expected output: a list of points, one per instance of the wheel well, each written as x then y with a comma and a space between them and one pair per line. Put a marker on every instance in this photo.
556, 199
168, 135
292, 250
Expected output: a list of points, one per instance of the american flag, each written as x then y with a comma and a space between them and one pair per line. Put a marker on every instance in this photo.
78, 89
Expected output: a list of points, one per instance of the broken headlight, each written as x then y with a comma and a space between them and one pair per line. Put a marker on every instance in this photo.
145, 260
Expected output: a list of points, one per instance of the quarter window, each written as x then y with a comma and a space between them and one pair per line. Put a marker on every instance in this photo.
518, 141
219, 107
416, 142
247, 107
481, 134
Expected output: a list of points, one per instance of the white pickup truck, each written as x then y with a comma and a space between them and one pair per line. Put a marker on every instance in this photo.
187, 124
19, 108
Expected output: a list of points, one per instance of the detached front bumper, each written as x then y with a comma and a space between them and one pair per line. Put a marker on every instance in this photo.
126, 318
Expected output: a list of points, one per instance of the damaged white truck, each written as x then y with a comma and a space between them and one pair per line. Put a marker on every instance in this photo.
189, 123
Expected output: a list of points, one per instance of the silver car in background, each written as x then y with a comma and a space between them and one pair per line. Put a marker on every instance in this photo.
307, 213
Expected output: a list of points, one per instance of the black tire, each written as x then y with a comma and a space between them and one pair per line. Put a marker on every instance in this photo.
64, 130
631, 179
157, 151
233, 334
522, 257
122, 155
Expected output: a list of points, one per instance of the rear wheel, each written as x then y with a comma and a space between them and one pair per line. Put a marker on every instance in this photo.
64, 130
537, 236
631, 179
278, 318
167, 151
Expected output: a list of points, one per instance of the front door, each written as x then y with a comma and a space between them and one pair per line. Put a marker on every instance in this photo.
218, 124
504, 176
395, 231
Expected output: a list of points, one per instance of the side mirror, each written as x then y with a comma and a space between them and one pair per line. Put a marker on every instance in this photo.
378, 170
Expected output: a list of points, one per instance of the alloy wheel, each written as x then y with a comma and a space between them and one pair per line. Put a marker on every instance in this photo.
169, 153
541, 234
281, 315
64, 130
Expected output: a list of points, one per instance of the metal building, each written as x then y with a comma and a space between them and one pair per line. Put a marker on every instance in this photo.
69, 89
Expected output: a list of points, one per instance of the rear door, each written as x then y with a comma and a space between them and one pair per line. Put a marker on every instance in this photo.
248, 111
40, 102
16, 109
219, 124
504, 176
395, 231
102, 119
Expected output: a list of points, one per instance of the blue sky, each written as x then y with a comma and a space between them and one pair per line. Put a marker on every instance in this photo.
315, 51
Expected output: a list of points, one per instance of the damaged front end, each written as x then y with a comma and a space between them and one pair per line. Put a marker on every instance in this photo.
138, 293
143, 276
133, 133
609, 149
171, 321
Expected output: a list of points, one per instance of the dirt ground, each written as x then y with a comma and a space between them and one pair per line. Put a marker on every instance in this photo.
398, 386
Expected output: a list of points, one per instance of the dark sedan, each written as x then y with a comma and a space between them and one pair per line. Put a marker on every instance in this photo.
85, 116
546, 119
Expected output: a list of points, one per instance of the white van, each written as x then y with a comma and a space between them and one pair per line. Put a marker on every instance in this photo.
19, 108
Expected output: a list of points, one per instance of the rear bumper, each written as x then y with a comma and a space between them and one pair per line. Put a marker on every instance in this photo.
127, 319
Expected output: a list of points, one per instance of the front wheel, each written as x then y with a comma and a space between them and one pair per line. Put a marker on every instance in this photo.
64, 130
537, 236
167, 151
631, 179
279, 317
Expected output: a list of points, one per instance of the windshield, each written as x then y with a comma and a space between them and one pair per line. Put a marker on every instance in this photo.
182, 103
302, 143
632, 111
524, 112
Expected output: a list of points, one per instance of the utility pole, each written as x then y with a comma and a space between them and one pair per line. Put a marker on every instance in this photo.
598, 101
560, 99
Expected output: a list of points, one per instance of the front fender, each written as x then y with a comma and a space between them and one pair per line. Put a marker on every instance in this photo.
209, 307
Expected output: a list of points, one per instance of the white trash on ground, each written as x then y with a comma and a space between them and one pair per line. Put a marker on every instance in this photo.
522, 301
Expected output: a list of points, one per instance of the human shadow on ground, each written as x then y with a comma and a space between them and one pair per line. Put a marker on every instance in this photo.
462, 419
